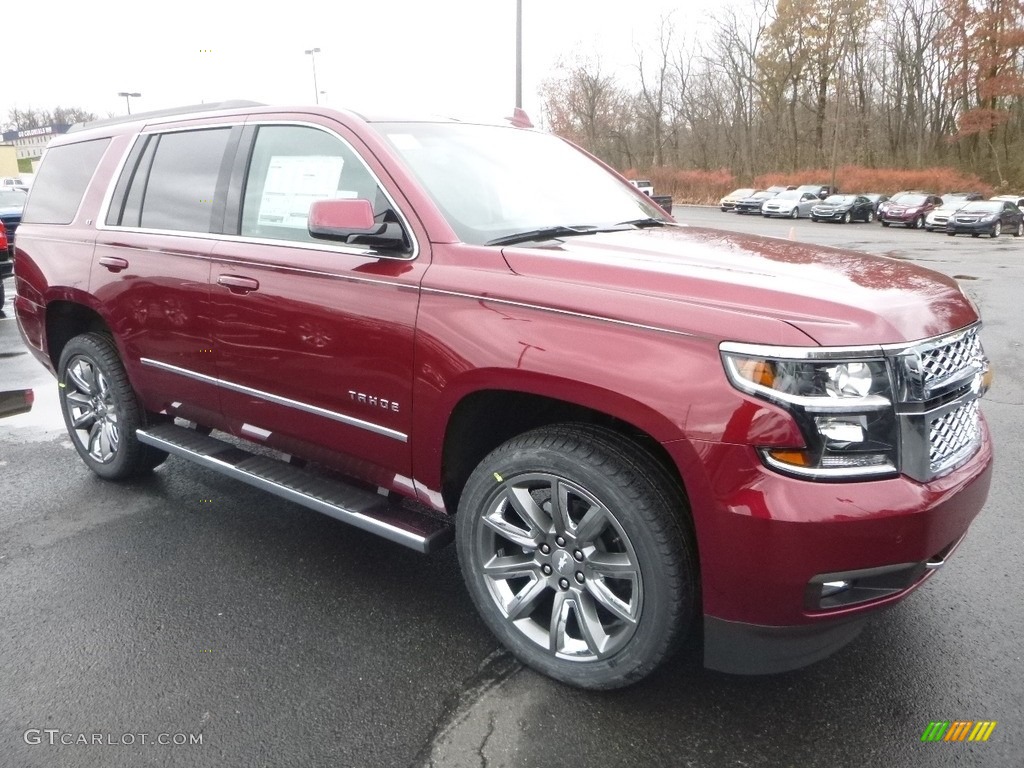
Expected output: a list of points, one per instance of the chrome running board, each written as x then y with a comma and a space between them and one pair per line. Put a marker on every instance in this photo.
348, 503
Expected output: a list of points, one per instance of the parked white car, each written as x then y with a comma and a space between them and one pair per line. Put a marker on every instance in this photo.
792, 204
936, 220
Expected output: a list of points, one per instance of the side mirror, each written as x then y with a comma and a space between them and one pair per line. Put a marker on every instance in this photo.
352, 222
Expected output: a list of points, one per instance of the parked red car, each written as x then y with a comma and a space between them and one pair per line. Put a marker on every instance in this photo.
910, 209
631, 428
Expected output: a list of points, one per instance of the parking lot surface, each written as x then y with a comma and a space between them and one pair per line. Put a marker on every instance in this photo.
186, 605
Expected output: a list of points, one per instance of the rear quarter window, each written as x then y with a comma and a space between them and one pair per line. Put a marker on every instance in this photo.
61, 182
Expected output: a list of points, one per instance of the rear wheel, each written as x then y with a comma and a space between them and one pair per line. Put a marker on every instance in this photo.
100, 409
869, 217
576, 549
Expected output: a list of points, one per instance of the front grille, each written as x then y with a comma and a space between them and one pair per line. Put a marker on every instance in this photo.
949, 360
939, 383
953, 436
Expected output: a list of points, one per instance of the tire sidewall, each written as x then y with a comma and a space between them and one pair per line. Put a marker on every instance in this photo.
661, 623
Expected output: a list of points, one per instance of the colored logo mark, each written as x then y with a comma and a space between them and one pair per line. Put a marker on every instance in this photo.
958, 730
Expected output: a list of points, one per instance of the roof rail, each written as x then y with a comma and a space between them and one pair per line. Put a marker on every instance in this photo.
211, 107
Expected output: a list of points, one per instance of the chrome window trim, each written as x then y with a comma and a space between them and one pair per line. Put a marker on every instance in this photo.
101, 219
351, 421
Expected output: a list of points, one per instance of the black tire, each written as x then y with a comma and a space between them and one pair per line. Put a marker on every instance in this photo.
885, 223
814, 218
997, 230
795, 213
97, 399
638, 518
1019, 231
975, 234
869, 217
847, 218
918, 222
951, 234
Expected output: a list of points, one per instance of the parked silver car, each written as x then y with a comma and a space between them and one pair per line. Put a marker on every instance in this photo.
792, 203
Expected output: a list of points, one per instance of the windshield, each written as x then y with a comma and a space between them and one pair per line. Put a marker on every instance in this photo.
912, 199
983, 206
491, 181
839, 199
789, 194
743, 192
762, 195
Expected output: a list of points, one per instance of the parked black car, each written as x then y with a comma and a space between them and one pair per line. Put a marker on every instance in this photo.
844, 208
753, 203
877, 198
987, 217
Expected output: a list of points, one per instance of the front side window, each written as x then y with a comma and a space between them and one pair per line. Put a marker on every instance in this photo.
291, 167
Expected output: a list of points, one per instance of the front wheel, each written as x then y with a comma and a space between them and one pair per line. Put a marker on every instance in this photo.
885, 223
577, 551
100, 409
1020, 229
997, 230
919, 222
847, 218
795, 213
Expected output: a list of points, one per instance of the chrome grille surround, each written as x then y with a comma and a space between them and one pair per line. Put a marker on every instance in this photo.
938, 383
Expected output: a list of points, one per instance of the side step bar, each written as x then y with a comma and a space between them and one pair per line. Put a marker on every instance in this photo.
347, 503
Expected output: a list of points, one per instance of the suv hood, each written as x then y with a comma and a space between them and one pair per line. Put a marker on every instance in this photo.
725, 286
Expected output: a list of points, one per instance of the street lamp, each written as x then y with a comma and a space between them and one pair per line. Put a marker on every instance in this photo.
128, 96
312, 52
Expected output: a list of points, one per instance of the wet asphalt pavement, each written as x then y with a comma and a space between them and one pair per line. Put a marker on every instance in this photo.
187, 607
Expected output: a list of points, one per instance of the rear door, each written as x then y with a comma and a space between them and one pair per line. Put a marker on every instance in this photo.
152, 265
314, 338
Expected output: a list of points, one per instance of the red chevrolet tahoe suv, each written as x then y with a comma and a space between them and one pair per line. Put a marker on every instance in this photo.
630, 427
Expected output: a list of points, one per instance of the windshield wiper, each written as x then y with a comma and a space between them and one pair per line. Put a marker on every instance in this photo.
544, 233
642, 223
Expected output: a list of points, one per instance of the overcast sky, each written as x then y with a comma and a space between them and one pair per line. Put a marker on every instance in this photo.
453, 57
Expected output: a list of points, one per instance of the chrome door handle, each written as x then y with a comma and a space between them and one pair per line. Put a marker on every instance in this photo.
114, 263
238, 284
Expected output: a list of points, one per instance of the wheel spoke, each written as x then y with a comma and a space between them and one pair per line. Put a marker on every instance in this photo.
84, 418
112, 435
95, 439
590, 624
509, 567
496, 521
522, 501
525, 599
616, 565
559, 620
593, 522
560, 507
611, 601
83, 377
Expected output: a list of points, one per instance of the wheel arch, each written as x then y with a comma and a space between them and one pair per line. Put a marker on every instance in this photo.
67, 319
481, 419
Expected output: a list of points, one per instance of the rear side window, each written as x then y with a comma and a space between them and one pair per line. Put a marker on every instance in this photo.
60, 185
182, 180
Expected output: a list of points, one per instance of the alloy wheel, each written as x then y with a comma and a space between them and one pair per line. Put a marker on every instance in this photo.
92, 409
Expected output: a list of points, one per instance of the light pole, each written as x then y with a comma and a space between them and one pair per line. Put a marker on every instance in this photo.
324, 94
127, 96
312, 52
519, 53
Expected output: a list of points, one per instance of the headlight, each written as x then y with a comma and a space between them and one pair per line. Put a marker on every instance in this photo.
842, 404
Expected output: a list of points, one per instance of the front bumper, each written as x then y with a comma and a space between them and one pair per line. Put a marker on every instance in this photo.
767, 543
829, 216
979, 228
